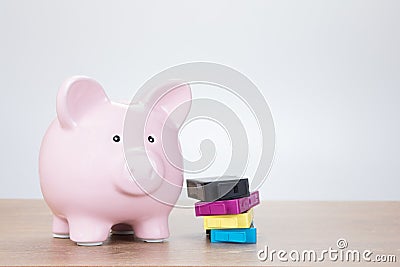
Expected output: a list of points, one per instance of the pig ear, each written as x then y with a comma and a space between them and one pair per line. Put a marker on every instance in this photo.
175, 100
76, 96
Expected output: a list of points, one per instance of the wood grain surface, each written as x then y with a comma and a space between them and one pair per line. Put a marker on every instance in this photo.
25, 236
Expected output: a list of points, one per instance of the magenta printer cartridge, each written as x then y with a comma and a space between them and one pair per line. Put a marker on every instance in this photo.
232, 206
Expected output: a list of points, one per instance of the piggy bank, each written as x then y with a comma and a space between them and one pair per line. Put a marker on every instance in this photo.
84, 174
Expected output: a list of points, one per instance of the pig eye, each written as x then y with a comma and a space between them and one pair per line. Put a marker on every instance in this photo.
151, 139
116, 138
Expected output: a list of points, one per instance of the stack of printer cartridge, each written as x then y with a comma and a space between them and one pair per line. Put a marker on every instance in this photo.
226, 204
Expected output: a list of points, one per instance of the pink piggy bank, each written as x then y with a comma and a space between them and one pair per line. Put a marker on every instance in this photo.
83, 163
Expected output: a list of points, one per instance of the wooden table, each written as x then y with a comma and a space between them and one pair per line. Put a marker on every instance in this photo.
25, 236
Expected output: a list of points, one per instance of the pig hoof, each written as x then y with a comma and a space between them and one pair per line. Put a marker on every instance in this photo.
63, 236
114, 232
89, 244
153, 240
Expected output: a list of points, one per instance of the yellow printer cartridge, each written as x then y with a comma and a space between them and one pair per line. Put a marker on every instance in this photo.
242, 220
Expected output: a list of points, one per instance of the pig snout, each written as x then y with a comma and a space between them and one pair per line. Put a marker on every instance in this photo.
145, 170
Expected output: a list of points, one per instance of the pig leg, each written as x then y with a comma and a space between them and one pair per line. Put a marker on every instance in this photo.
122, 229
88, 231
152, 230
60, 227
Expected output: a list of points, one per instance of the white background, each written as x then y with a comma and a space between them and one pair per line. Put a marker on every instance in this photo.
330, 71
